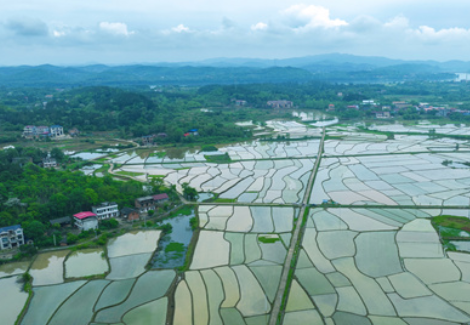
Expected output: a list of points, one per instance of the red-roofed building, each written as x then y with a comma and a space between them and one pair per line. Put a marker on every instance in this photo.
160, 198
86, 220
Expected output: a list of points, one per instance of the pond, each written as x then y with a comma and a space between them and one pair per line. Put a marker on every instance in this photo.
461, 245
108, 150
88, 170
204, 196
325, 123
172, 248
309, 115
87, 155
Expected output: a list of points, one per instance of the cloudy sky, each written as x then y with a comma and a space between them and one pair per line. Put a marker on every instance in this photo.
138, 31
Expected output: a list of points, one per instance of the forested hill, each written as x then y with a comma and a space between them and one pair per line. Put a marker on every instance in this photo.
53, 76
135, 75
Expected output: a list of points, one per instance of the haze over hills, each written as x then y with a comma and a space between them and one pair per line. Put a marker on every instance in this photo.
330, 67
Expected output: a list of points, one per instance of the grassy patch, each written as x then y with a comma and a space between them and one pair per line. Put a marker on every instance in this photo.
225, 158
451, 226
209, 149
159, 154
225, 200
175, 247
452, 222
126, 173
103, 169
185, 210
268, 240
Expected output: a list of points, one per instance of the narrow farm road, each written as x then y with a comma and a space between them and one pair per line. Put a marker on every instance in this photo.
285, 280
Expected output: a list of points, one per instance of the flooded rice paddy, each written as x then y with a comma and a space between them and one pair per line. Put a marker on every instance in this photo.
369, 261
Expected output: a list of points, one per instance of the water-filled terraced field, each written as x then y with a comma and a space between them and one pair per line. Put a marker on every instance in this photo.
367, 144
448, 129
237, 265
261, 181
420, 179
126, 288
377, 266
368, 261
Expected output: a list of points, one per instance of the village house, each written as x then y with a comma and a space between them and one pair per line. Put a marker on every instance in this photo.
161, 198
42, 130
193, 132
331, 108
239, 102
49, 162
401, 105
11, 237
105, 210
57, 131
369, 103
148, 140
85, 220
129, 214
382, 115
162, 135
280, 104
145, 203
29, 131
74, 132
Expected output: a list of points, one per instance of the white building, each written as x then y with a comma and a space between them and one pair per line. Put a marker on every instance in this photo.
11, 237
85, 220
56, 131
106, 210
29, 131
49, 162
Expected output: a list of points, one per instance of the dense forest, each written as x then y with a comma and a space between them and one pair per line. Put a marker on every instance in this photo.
138, 111
31, 195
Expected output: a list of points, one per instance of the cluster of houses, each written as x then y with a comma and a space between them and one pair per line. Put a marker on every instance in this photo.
12, 237
89, 219
32, 131
42, 131
271, 103
385, 111
192, 132
150, 140
280, 104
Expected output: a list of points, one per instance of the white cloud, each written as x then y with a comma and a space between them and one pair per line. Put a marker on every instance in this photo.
303, 16
180, 29
399, 21
115, 28
259, 26
57, 33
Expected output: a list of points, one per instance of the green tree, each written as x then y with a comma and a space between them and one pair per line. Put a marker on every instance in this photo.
91, 196
34, 230
57, 154
189, 192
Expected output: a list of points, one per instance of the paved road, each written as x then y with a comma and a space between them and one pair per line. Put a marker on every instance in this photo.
294, 241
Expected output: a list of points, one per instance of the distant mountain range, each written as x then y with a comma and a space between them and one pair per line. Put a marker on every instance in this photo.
343, 62
331, 68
